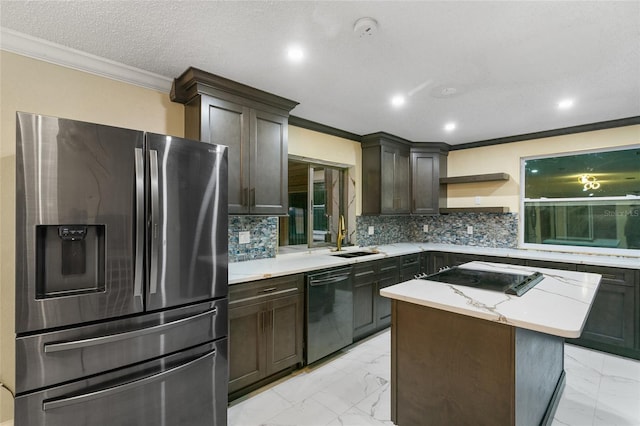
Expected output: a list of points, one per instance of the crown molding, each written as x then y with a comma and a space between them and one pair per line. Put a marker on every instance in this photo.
582, 128
317, 127
43, 50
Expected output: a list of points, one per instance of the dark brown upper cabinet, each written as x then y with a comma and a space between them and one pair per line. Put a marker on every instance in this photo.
253, 124
428, 164
386, 174
401, 177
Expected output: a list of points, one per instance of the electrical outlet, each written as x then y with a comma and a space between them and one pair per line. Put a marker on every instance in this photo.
371, 229
244, 237
470, 230
425, 228
477, 200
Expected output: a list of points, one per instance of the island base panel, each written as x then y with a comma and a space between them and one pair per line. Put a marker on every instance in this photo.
451, 369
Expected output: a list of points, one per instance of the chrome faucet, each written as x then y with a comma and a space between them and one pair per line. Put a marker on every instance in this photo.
342, 233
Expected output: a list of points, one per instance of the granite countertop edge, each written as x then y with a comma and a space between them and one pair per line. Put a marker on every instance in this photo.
314, 260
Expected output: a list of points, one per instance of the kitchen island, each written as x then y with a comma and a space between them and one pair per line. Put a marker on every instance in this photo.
462, 355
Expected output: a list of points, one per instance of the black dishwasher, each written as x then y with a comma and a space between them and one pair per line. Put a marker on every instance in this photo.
329, 318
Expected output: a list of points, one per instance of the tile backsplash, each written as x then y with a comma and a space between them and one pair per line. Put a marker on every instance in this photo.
263, 237
499, 230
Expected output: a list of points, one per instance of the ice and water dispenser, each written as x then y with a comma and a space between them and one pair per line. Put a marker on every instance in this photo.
70, 259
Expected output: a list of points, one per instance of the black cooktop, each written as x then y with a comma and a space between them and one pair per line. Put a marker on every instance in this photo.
504, 282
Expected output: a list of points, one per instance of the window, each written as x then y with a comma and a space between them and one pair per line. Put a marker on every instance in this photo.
313, 220
590, 201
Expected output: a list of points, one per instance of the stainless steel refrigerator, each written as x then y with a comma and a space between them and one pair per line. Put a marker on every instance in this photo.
121, 277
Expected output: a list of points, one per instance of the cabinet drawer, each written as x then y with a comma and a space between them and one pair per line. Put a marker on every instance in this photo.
409, 260
263, 290
551, 265
388, 265
364, 273
615, 276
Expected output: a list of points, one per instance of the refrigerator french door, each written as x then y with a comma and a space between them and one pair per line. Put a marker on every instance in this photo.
121, 242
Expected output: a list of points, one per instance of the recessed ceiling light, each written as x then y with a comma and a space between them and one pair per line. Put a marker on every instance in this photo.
449, 127
295, 54
398, 101
565, 104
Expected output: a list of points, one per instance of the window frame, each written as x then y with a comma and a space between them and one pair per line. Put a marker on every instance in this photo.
567, 247
312, 164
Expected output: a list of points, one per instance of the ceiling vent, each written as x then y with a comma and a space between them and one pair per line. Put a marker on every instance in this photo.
365, 27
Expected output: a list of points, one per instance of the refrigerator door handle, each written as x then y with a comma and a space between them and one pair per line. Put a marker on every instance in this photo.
95, 341
139, 259
104, 393
155, 206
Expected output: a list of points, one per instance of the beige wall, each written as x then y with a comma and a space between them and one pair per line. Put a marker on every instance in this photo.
505, 158
39, 87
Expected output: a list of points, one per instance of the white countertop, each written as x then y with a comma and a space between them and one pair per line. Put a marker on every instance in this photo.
558, 305
295, 263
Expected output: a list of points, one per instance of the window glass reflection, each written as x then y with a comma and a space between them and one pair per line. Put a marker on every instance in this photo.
598, 174
583, 200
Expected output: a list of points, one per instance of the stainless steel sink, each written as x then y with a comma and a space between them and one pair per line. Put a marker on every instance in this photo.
350, 254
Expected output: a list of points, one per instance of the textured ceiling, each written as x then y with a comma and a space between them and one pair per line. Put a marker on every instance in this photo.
509, 62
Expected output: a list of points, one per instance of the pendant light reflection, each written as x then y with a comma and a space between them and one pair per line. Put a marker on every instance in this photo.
589, 182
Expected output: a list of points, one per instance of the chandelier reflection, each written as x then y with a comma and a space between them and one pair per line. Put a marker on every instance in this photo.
589, 182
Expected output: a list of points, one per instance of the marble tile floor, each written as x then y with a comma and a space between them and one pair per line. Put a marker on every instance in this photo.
352, 389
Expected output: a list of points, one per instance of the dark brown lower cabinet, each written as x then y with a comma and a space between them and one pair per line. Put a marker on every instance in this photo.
409, 267
614, 316
266, 320
372, 312
365, 280
552, 265
456, 259
433, 261
388, 275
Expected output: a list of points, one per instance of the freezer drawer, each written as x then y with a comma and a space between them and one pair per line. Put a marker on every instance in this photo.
188, 388
55, 357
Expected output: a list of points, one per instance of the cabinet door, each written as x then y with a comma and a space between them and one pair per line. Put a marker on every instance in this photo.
457, 259
284, 333
229, 124
388, 275
425, 183
402, 182
247, 361
612, 316
364, 288
434, 262
387, 183
394, 180
268, 189
409, 267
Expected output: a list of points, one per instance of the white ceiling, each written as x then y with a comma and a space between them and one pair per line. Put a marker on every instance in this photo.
510, 62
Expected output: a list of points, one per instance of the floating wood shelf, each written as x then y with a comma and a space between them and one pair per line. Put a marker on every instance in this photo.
474, 210
475, 178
